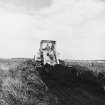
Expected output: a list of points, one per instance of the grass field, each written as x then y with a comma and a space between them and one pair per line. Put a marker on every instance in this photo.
94, 65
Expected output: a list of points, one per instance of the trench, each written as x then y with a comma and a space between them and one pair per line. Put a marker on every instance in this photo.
71, 89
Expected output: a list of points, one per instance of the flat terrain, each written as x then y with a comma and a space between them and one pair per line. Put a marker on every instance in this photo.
83, 95
75, 92
94, 65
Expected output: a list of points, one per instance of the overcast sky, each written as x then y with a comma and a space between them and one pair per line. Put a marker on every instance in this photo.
78, 26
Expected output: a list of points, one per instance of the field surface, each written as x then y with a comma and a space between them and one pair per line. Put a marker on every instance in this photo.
64, 88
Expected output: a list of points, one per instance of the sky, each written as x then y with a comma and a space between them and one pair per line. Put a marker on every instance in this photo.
78, 26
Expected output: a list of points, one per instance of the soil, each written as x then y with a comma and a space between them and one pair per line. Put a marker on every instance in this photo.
73, 92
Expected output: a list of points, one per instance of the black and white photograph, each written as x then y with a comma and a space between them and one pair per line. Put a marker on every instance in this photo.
52, 52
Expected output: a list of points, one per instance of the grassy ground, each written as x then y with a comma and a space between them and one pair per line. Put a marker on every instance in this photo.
94, 65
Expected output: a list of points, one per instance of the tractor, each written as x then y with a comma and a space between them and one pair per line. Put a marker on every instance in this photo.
46, 53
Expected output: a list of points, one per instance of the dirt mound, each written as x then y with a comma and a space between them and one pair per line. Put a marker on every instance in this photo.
23, 86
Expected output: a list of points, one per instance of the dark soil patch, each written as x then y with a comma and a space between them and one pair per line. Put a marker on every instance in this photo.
72, 88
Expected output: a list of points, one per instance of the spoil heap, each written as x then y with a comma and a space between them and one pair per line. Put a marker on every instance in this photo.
23, 86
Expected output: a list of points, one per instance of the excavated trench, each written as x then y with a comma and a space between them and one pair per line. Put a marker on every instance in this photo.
73, 85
